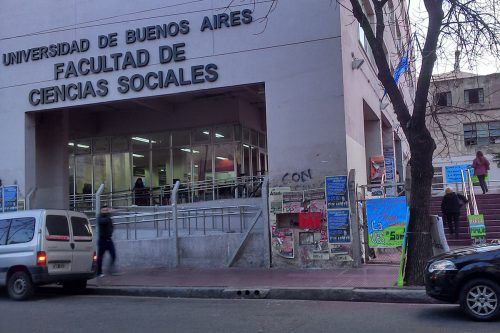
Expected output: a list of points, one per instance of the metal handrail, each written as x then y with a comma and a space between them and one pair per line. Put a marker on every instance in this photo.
247, 185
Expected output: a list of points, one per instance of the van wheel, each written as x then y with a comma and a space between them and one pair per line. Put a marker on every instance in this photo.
75, 286
480, 299
20, 287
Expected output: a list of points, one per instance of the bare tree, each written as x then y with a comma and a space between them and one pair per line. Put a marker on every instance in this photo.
472, 25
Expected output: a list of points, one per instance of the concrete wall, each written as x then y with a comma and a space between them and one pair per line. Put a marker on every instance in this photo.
362, 90
303, 87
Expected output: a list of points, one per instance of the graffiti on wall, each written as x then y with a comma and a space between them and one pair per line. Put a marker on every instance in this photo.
297, 177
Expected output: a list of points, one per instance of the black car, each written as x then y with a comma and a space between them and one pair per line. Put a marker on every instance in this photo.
470, 276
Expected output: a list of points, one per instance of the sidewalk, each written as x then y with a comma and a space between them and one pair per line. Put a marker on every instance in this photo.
369, 283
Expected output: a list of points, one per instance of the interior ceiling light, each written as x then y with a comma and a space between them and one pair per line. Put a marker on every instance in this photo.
196, 165
187, 150
217, 135
71, 144
138, 155
222, 158
207, 132
137, 138
83, 146
245, 145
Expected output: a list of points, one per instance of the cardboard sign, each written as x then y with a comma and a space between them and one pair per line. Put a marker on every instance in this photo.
476, 225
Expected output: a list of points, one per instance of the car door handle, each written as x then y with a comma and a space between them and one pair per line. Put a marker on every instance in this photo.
72, 246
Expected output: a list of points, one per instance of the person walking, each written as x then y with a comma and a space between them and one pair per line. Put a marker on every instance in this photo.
481, 166
450, 206
105, 242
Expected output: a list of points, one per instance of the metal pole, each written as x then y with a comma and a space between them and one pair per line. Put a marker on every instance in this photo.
28, 198
464, 185
174, 218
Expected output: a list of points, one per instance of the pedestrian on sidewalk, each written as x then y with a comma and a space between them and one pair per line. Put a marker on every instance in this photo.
105, 242
481, 166
450, 206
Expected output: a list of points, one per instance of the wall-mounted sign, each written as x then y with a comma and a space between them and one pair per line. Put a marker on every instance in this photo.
8, 198
339, 229
336, 192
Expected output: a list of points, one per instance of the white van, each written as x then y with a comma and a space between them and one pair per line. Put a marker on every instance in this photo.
45, 246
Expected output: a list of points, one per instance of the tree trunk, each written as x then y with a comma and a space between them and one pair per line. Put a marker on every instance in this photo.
419, 240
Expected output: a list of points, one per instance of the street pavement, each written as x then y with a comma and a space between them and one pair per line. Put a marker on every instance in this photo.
54, 313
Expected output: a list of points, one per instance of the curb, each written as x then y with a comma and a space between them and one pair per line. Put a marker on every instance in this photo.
379, 295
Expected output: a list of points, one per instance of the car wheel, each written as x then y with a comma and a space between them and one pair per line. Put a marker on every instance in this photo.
20, 287
75, 286
480, 299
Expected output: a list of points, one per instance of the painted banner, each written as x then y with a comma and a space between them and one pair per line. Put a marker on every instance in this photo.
339, 229
476, 225
387, 219
336, 192
283, 242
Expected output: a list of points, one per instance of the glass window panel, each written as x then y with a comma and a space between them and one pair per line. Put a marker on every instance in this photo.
102, 171
202, 135
180, 139
160, 140
482, 126
100, 145
246, 135
4, 229
469, 127
121, 172
483, 134
83, 174
246, 160
21, 230
140, 167
81, 228
254, 140
57, 225
224, 162
495, 132
471, 134
83, 147
262, 164
262, 140
140, 142
71, 172
255, 161
120, 144
223, 133
161, 175
237, 133
182, 164
494, 125
483, 141
239, 166
202, 172
71, 147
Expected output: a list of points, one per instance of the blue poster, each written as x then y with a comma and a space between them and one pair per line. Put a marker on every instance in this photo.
336, 192
9, 198
386, 219
339, 228
454, 172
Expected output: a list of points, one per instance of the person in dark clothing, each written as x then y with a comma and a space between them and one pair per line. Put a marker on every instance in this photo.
450, 206
140, 193
105, 242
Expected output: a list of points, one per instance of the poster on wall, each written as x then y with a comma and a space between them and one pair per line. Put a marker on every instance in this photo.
292, 202
314, 201
390, 170
336, 192
377, 169
276, 202
340, 252
283, 242
387, 219
339, 229
9, 198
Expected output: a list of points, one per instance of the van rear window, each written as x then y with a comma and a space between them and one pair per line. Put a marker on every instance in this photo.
57, 228
81, 229
17, 231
